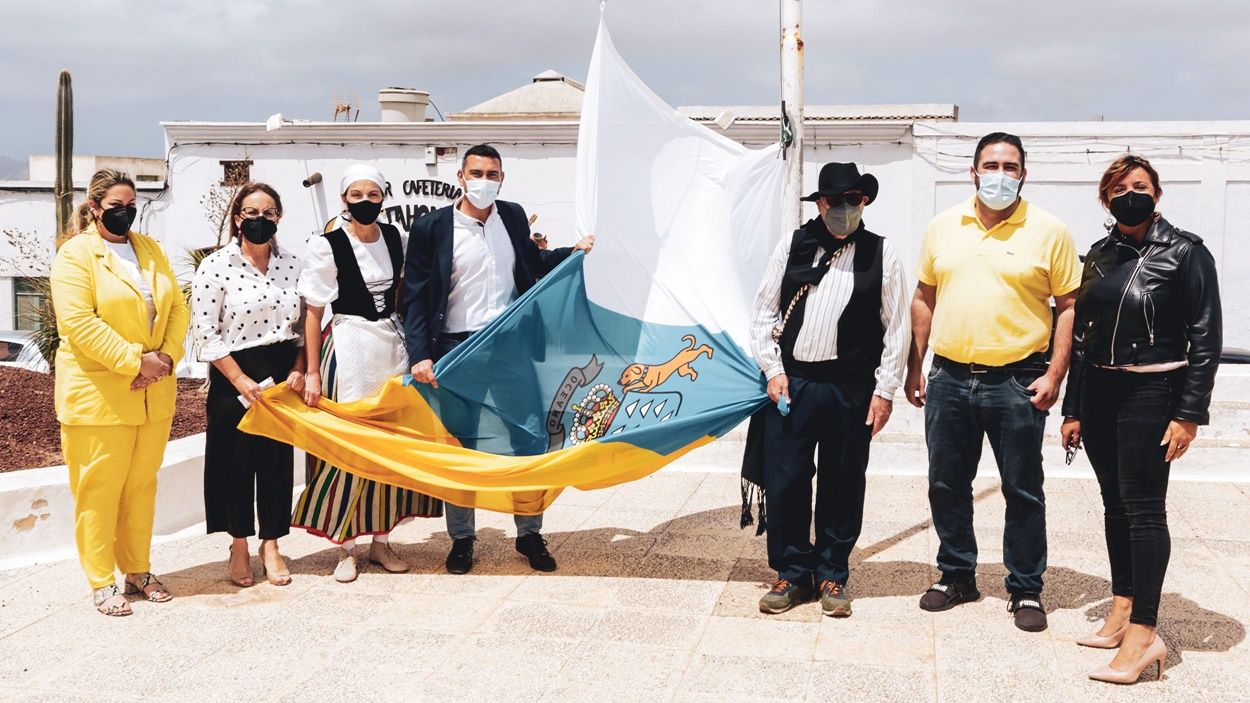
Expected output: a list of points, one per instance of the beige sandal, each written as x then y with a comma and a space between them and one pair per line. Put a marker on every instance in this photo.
104, 601
280, 575
159, 594
240, 578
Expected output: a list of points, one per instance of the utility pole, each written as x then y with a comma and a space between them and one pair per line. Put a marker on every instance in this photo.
791, 112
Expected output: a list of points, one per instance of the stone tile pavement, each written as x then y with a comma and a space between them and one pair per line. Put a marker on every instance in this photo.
655, 600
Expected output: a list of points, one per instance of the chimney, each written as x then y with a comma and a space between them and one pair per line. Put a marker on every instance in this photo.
403, 104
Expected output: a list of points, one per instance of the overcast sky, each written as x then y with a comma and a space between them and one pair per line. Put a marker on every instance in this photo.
138, 62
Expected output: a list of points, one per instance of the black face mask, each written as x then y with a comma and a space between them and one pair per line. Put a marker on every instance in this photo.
365, 211
258, 230
1132, 208
117, 220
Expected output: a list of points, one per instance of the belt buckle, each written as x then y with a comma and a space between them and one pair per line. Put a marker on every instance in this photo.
977, 368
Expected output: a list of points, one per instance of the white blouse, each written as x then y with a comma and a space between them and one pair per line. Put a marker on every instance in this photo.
234, 306
319, 281
125, 252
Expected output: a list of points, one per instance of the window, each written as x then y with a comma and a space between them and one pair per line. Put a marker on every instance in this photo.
29, 297
235, 173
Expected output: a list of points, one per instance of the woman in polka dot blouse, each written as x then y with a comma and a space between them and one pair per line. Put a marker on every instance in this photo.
248, 324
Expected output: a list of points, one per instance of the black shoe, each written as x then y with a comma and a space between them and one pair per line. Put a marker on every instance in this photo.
1030, 616
460, 558
783, 596
945, 595
534, 547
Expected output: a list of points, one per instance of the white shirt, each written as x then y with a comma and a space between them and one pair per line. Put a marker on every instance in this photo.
818, 337
319, 281
234, 306
130, 264
482, 262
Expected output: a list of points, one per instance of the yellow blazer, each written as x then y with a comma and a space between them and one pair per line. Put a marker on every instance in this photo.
102, 319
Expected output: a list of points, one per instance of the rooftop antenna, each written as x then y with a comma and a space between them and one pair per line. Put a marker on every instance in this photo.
343, 105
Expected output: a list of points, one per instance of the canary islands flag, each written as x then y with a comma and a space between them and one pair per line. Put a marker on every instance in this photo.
618, 361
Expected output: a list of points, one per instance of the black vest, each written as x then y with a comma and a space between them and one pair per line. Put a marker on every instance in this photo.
861, 336
354, 296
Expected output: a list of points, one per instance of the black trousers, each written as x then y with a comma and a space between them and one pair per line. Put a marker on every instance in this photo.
1124, 416
239, 468
823, 436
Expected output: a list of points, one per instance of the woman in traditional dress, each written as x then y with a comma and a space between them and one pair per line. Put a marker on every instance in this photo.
356, 270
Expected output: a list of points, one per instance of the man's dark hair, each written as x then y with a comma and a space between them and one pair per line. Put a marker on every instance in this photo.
997, 138
484, 150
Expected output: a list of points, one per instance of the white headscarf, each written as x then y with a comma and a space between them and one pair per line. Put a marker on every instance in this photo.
361, 172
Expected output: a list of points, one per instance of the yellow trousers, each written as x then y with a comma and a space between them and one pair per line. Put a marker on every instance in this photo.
112, 474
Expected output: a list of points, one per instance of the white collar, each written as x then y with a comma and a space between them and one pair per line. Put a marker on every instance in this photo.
465, 219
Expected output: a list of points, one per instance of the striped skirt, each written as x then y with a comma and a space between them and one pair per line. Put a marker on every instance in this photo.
336, 504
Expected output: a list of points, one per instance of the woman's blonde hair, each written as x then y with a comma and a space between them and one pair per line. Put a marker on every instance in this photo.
101, 181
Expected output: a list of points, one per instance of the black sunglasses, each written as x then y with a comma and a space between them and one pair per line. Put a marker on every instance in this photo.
853, 197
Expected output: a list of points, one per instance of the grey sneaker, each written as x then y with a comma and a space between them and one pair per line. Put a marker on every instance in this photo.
784, 596
833, 600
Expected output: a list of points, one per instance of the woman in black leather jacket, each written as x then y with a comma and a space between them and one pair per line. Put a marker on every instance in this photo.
1147, 340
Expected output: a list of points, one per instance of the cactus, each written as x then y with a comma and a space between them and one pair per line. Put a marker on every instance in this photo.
63, 189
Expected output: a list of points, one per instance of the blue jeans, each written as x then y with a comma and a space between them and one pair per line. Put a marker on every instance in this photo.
461, 522
961, 409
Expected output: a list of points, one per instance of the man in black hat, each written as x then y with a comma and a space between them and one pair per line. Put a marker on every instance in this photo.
830, 330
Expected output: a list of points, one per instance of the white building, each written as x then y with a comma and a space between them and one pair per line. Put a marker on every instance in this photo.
920, 153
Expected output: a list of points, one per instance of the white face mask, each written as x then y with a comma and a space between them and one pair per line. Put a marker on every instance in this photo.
481, 192
998, 190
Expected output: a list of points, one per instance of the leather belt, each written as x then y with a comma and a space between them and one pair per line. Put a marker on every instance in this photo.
1033, 362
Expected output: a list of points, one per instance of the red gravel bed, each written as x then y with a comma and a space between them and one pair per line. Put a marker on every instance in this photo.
30, 436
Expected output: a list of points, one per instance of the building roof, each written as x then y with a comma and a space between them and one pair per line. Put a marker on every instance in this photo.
554, 96
828, 113
549, 96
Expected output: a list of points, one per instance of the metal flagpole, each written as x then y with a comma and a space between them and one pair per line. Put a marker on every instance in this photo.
791, 112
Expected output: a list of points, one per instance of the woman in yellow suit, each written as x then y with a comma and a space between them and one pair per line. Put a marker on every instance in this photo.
122, 319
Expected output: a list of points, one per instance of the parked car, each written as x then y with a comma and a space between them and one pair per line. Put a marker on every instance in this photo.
18, 348
1233, 355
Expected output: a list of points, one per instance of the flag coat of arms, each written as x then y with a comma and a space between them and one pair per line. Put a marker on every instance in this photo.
617, 362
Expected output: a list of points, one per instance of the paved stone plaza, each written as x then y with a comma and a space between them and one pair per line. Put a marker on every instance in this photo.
655, 600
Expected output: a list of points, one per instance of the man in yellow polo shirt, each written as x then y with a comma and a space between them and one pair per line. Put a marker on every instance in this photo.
988, 270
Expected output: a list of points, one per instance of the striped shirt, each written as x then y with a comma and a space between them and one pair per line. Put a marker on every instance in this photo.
818, 337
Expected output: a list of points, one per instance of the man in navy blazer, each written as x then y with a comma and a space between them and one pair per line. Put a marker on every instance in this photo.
465, 263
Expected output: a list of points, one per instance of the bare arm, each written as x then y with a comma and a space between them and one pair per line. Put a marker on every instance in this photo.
312, 355
922, 304
1047, 387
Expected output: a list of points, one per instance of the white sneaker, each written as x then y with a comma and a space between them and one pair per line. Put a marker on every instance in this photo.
380, 553
345, 572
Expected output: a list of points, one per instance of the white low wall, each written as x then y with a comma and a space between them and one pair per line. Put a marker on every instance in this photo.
37, 508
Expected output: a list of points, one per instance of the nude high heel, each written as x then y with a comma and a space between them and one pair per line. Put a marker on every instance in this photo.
1155, 653
1111, 641
280, 575
240, 578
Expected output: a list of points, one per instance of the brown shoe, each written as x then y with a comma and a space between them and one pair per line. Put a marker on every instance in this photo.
833, 600
784, 596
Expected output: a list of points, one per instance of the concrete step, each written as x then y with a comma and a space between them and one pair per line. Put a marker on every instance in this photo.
1230, 414
1220, 453
1209, 460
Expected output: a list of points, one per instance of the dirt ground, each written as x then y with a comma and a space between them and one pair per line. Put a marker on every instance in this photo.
30, 436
